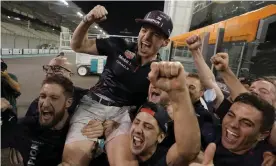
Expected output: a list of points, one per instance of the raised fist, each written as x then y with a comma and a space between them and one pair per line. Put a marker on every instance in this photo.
194, 43
220, 61
97, 14
169, 77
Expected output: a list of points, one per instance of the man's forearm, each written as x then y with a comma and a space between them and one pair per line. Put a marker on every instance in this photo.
207, 77
80, 35
204, 72
14, 85
187, 133
233, 83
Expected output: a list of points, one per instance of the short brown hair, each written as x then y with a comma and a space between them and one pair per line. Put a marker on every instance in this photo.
64, 82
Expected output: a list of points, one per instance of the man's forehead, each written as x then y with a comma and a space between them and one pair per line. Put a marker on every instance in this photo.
146, 118
246, 110
59, 62
54, 89
264, 84
153, 28
192, 80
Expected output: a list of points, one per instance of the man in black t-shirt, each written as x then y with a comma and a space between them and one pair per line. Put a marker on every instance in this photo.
149, 128
123, 83
56, 66
40, 140
245, 127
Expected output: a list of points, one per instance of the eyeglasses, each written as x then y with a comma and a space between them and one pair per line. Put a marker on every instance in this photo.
56, 69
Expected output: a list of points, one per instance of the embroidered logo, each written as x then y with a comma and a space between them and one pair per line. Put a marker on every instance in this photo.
129, 54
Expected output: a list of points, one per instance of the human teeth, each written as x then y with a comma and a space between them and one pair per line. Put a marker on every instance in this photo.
145, 43
137, 139
232, 133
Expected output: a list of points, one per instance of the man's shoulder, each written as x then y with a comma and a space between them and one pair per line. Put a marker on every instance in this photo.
124, 45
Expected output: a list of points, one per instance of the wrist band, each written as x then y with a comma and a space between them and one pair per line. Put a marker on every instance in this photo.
84, 19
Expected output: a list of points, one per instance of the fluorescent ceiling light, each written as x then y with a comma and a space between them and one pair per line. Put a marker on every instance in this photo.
79, 14
9, 17
16, 18
64, 1
96, 26
101, 30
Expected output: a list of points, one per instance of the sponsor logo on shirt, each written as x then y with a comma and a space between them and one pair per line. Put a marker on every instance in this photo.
122, 61
33, 152
129, 54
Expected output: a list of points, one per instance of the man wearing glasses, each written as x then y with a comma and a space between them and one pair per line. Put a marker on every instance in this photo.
59, 66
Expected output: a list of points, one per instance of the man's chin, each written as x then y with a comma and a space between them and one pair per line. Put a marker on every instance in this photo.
136, 152
46, 124
143, 54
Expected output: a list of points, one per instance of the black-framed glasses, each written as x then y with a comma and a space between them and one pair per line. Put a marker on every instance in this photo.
55, 69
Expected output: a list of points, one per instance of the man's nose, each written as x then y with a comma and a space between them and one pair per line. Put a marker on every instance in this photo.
147, 36
45, 102
255, 91
234, 124
138, 129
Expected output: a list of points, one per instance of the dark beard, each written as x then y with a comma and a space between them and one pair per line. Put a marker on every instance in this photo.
56, 119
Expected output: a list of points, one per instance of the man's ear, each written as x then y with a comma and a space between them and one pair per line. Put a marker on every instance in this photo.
69, 102
201, 93
161, 137
166, 42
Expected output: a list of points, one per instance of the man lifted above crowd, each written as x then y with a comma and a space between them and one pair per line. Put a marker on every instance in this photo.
122, 84
149, 127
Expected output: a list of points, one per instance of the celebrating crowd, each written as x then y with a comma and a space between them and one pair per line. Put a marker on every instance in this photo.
143, 111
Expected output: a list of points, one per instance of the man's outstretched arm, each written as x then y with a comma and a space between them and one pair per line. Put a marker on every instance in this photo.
204, 72
171, 77
80, 41
221, 61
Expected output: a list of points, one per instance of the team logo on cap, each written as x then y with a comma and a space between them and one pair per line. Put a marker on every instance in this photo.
129, 54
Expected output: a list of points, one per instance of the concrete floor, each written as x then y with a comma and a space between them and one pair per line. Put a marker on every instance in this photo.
30, 75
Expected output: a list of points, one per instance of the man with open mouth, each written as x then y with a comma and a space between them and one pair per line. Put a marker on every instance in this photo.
244, 130
150, 126
41, 140
122, 84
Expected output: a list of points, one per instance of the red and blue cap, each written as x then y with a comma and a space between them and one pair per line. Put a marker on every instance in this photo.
158, 112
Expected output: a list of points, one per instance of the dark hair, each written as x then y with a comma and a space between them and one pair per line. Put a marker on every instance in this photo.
268, 111
64, 82
195, 75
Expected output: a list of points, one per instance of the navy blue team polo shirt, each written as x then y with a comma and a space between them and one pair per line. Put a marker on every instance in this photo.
123, 80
